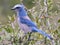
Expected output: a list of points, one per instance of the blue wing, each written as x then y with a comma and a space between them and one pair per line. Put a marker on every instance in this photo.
27, 22
34, 27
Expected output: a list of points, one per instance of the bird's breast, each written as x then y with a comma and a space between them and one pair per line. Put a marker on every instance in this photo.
24, 27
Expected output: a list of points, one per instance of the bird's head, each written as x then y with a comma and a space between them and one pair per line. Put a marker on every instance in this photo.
20, 9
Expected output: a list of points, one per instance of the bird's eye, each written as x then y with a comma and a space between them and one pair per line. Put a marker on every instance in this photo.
17, 7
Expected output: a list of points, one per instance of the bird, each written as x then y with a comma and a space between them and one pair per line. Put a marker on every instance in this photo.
25, 23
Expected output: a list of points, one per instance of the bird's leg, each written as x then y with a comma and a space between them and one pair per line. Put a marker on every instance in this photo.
29, 36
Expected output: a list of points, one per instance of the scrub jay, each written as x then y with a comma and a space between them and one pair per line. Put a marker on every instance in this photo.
25, 22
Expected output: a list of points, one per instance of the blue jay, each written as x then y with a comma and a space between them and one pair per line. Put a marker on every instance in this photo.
25, 22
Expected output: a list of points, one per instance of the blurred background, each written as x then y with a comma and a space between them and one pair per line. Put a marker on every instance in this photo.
45, 13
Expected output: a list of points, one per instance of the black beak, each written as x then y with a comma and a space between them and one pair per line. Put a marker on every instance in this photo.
12, 9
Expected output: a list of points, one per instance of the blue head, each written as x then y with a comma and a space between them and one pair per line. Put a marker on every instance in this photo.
20, 10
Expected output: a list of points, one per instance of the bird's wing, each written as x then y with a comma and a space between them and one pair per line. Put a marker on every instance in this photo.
27, 22
34, 27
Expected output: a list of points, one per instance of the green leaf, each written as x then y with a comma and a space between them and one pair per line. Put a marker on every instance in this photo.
59, 27
59, 21
11, 18
56, 32
59, 35
55, 8
0, 38
42, 2
9, 29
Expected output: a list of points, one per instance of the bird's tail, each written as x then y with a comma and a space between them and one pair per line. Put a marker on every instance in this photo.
43, 33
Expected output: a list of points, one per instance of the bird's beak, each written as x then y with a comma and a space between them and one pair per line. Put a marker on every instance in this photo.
13, 8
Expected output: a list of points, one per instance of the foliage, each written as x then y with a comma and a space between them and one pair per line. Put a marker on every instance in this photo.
30, 2
48, 21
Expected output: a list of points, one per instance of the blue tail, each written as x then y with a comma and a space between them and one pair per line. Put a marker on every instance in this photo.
42, 32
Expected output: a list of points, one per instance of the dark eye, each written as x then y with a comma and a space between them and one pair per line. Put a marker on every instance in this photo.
17, 7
